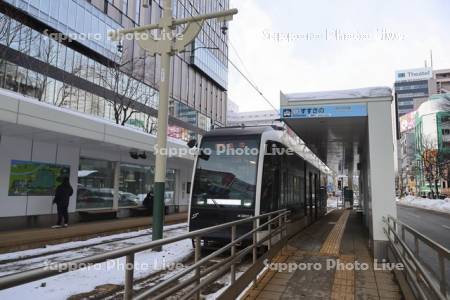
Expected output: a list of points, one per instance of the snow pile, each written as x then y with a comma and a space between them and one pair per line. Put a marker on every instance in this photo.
332, 202
24, 254
436, 104
432, 204
110, 272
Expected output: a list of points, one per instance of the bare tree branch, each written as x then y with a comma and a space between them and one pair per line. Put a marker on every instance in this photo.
433, 162
118, 77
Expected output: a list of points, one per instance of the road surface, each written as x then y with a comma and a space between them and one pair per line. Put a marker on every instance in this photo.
434, 225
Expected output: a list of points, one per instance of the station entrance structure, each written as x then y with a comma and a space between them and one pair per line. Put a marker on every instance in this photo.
352, 132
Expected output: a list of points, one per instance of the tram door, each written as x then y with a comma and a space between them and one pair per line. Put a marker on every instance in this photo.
270, 187
310, 195
316, 196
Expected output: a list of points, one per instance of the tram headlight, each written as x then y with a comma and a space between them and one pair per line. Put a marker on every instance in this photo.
247, 203
200, 202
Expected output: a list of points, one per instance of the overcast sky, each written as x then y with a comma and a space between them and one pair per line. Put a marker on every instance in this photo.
315, 59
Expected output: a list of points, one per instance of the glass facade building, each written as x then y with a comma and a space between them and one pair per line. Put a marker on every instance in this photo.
57, 52
407, 92
198, 80
74, 18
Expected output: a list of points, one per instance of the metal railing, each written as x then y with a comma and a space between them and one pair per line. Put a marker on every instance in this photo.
274, 223
427, 282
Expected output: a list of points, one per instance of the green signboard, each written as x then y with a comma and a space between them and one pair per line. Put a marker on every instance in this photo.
29, 178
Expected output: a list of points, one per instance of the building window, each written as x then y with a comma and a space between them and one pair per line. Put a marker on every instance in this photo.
125, 7
135, 182
137, 11
95, 184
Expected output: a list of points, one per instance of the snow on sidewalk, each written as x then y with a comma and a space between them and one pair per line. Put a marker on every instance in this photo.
110, 272
425, 203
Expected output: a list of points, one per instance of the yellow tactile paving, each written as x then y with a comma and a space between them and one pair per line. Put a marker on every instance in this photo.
332, 244
272, 284
264, 288
344, 281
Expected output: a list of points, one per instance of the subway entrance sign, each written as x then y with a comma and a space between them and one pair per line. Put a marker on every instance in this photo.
325, 111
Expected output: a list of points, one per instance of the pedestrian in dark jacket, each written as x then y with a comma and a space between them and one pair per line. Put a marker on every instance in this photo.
62, 197
148, 201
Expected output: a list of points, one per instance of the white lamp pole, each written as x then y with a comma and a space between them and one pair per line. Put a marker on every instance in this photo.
166, 45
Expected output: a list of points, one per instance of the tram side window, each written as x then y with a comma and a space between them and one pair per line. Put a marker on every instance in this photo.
305, 191
310, 187
301, 190
296, 193
286, 179
270, 187
284, 194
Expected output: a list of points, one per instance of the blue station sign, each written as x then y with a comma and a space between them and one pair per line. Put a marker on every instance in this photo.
325, 111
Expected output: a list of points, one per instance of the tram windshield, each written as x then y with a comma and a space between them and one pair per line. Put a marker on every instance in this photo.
226, 172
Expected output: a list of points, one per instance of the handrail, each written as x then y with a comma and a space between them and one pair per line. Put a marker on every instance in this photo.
424, 238
206, 259
129, 252
411, 261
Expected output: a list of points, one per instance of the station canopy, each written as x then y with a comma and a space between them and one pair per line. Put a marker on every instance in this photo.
333, 124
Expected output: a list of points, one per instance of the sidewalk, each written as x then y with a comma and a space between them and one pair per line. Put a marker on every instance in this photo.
338, 237
369, 284
39, 237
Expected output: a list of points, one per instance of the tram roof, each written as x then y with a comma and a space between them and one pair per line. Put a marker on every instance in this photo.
240, 130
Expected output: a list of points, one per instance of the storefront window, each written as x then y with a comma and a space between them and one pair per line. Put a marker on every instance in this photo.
204, 122
183, 112
181, 133
169, 197
135, 182
95, 184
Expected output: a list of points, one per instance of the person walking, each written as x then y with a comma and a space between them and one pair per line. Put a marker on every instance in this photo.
62, 197
148, 201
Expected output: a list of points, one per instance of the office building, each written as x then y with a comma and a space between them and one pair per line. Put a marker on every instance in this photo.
250, 118
411, 89
74, 103
432, 137
440, 82
407, 154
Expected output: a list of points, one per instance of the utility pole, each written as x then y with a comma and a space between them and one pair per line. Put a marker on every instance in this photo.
166, 44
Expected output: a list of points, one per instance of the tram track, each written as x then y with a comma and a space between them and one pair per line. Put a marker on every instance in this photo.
21, 262
116, 292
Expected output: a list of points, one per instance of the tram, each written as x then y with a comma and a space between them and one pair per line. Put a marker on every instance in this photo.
247, 171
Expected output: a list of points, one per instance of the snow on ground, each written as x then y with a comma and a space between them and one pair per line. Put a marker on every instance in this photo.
75, 250
225, 282
332, 202
110, 272
431, 204
76, 244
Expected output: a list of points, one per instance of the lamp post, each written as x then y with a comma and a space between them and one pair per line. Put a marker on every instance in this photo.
166, 45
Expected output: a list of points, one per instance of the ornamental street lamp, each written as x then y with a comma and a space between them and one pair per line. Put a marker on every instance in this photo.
166, 44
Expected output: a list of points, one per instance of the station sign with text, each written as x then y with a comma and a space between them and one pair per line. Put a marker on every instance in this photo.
413, 74
325, 111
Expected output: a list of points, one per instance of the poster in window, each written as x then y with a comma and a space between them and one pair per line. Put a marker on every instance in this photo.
29, 178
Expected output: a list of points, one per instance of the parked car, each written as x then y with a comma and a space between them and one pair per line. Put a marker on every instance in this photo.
103, 198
